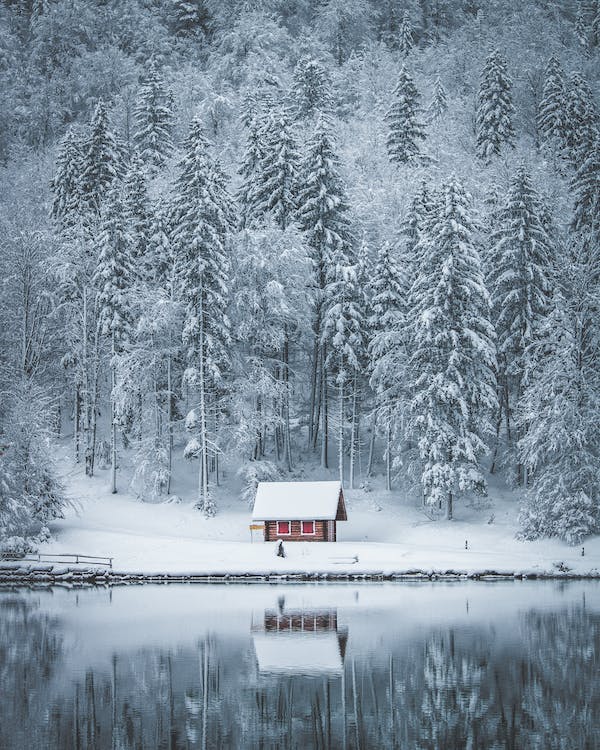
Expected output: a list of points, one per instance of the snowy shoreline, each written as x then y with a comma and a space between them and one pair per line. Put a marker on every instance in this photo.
17, 573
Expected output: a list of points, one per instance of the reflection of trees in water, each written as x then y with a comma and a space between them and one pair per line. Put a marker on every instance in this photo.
454, 688
561, 701
30, 649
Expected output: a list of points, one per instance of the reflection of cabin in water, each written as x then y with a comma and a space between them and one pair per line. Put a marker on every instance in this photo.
300, 642
300, 511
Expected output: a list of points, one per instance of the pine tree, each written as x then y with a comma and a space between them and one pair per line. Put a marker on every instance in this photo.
581, 117
323, 216
453, 360
276, 172
311, 89
154, 119
100, 166
520, 282
249, 169
137, 213
389, 22
202, 219
562, 407
387, 350
66, 183
580, 28
114, 279
585, 186
405, 129
405, 36
439, 103
343, 334
191, 17
413, 232
494, 126
551, 122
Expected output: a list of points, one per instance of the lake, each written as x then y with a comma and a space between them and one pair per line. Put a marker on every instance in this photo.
436, 665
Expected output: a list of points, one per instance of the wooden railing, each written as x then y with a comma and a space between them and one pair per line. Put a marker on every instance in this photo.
62, 558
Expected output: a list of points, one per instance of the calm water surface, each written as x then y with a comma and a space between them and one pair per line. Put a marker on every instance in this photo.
505, 665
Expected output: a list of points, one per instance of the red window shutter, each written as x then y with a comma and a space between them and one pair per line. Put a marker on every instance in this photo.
283, 527
308, 527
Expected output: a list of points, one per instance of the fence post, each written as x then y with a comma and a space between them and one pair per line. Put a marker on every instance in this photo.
76, 559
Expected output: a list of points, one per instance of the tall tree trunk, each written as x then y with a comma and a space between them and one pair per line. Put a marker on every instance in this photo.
313, 416
76, 423
203, 479
169, 418
287, 438
341, 431
113, 418
372, 445
388, 449
353, 425
324, 408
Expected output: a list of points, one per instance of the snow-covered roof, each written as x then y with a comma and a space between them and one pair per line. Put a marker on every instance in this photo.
298, 652
296, 501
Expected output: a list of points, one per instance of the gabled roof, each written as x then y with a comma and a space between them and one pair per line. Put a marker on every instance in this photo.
299, 501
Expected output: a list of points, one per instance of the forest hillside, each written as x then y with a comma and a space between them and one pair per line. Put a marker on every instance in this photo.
251, 240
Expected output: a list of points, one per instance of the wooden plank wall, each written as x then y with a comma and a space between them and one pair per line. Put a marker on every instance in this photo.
320, 534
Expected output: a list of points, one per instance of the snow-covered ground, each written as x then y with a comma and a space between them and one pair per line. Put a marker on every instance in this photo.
385, 531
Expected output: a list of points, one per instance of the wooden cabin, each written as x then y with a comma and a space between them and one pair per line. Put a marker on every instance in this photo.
299, 511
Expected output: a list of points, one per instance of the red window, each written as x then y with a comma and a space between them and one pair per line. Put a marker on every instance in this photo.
308, 527
283, 527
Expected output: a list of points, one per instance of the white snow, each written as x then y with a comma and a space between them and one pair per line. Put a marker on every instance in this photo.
296, 501
384, 530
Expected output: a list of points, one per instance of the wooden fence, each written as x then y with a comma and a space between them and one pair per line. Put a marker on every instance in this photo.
62, 558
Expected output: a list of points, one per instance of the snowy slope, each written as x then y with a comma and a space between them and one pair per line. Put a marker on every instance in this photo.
385, 531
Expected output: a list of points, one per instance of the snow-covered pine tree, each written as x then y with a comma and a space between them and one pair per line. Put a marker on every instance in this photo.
562, 408
270, 275
30, 492
249, 171
191, 17
551, 123
405, 36
137, 213
114, 279
387, 352
154, 118
100, 166
581, 118
311, 89
585, 186
520, 283
277, 171
495, 110
66, 183
403, 120
323, 216
453, 359
202, 217
439, 103
389, 23
414, 229
343, 335
580, 27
